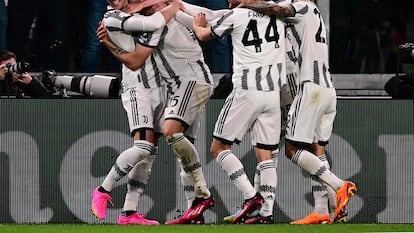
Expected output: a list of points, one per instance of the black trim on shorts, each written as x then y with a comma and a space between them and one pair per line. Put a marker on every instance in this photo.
300, 145
323, 143
142, 133
227, 142
267, 147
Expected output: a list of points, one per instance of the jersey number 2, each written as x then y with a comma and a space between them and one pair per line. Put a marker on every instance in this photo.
318, 35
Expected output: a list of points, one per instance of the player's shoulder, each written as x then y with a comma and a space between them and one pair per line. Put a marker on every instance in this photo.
238, 11
303, 7
115, 13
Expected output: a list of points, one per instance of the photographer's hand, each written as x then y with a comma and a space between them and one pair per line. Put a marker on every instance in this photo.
24, 78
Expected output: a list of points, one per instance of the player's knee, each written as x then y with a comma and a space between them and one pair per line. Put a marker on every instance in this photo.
172, 138
292, 146
290, 150
172, 127
217, 147
213, 150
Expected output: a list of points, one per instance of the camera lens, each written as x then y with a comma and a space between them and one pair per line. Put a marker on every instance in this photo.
19, 68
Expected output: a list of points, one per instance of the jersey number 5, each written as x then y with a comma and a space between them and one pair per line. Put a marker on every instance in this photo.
256, 41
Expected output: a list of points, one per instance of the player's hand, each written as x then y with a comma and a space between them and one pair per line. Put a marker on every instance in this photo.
200, 20
178, 3
116, 4
103, 36
101, 33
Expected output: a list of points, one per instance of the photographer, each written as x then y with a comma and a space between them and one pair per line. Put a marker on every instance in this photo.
401, 86
18, 83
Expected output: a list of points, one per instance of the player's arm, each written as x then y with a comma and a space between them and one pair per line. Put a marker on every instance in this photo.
133, 60
191, 10
186, 17
209, 14
173, 7
202, 31
136, 59
151, 22
267, 8
137, 22
136, 7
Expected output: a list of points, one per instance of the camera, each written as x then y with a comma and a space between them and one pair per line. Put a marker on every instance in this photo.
19, 67
94, 86
407, 53
100, 86
29, 64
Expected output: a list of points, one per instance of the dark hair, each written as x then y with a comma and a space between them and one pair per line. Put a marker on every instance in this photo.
6, 55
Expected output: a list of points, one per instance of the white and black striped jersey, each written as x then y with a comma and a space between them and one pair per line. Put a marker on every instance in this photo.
179, 55
114, 19
292, 50
148, 75
258, 44
310, 34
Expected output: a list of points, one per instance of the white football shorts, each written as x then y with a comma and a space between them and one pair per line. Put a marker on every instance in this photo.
145, 107
312, 114
186, 103
250, 109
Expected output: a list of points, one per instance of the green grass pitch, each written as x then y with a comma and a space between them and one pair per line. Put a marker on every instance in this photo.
208, 228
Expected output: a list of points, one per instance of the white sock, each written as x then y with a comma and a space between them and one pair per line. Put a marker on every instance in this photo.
138, 180
235, 170
320, 195
310, 163
275, 158
267, 186
190, 162
330, 192
256, 179
126, 161
188, 186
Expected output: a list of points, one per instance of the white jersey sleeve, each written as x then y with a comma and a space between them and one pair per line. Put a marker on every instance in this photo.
119, 20
138, 22
118, 37
210, 14
185, 19
125, 30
